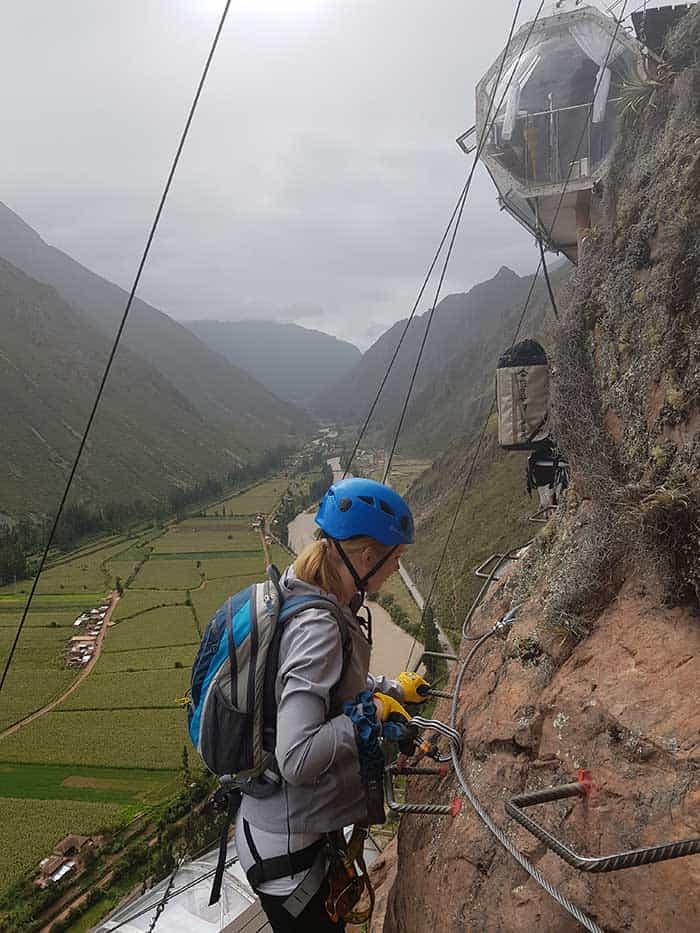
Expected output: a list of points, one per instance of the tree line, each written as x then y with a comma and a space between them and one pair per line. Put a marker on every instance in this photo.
22, 540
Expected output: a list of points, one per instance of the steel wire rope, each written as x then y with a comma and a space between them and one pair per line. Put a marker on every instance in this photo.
117, 338
486, 819
470, 472
457, 210
404, 332
482, 141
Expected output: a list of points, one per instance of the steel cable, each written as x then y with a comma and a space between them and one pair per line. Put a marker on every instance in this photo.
117, 338
485, 818
457, 210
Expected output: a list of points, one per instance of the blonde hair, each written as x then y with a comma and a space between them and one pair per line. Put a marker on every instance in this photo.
316, 564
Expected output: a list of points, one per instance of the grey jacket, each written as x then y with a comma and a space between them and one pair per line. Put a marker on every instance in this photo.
316, 752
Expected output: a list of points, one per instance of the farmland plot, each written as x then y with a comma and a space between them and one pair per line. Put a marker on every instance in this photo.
168, 575
147, 659
27, 690
44, 822
260, 498
171, 626
212, 539
208, 600
138, 690
81, 573
137, 738
94, 785
137, 601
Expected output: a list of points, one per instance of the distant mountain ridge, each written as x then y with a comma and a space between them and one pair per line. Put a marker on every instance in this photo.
294, 362
219, 390
454, 385
147, 437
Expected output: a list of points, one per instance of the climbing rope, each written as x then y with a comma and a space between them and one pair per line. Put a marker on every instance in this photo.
117, 338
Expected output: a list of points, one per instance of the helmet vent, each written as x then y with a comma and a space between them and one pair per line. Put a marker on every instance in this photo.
386, 508
344, 504
368, 499
403, 521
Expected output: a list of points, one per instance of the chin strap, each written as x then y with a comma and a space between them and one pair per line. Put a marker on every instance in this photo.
361, 582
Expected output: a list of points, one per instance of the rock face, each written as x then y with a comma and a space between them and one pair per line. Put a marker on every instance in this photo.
602, 667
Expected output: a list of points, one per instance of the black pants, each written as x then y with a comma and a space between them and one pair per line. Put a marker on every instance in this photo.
312, 919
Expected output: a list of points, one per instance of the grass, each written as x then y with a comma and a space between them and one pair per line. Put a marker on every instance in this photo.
136, 601
208, 600
211, 539
112, 690
171, 626
168, 574
138, 738
147, 659
44, 822
92, 785
260, 498
27, 690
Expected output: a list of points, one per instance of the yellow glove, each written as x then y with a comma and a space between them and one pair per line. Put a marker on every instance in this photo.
415, 688
388, 706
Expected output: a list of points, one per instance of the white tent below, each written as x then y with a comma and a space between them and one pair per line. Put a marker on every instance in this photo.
187, 909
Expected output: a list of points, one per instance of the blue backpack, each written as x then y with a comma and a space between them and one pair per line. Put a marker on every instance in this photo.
232, 708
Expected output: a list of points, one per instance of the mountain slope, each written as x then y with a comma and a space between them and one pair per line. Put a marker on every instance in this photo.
292, 361
147, 437
466, 338
214, 386
601, 668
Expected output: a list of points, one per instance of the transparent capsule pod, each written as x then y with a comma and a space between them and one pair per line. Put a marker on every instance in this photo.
560, 93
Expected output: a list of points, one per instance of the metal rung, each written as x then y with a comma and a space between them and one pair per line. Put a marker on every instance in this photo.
443, 694
433, 809
446, 656
631, 858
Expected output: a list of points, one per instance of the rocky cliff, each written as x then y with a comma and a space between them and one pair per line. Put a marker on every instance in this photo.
602, 667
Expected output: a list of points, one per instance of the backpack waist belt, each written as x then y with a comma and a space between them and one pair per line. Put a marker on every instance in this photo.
270, 869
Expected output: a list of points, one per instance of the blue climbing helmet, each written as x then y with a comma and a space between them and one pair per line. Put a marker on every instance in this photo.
358, 506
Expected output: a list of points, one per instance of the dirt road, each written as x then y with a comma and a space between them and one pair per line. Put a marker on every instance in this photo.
113, 600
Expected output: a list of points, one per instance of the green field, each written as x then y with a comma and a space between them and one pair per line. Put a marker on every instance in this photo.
115, 744
147, 659
130, 786
136, 601
24, 842
260, 498
168, 575
123, 738
171, 626
138, 690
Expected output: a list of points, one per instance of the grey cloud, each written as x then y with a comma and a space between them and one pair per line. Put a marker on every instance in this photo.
320, 171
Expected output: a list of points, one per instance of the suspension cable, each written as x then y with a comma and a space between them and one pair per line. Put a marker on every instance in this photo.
117, 338
486, 819
456, 212
468, 479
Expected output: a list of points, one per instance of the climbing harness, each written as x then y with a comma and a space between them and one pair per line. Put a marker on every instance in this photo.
348, 877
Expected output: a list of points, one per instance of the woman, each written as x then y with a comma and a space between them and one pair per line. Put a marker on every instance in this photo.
364, 529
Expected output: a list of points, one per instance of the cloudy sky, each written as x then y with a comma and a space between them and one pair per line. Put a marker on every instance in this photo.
319, 173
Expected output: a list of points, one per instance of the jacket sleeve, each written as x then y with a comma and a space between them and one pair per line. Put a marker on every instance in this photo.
311, 659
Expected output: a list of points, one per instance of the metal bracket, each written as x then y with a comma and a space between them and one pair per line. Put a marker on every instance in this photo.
434, 809
542, 516
631, 858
